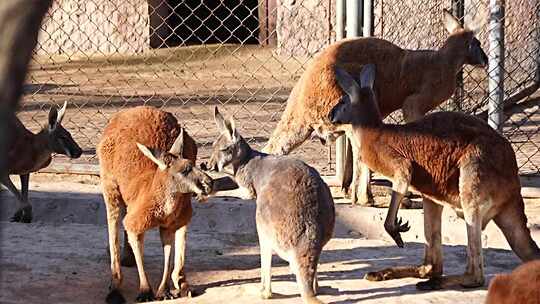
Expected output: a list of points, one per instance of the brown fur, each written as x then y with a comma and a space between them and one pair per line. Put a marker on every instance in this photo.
28, 152
131, 180
132, 172
415, 81
453, 159
522, 286
428, 75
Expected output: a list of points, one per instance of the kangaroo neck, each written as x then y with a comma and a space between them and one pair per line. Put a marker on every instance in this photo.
451, 55
247, 170
39, 151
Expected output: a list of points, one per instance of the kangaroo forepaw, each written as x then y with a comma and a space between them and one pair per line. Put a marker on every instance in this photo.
23, 215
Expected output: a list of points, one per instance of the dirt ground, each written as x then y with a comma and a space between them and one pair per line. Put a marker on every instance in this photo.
62, 257
250, 82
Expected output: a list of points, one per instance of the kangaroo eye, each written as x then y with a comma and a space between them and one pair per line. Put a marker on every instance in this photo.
227, 149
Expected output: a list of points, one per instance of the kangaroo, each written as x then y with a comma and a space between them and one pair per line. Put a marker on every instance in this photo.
147, 168
28, 152
295, 211
521, 286
454, 160
415, 81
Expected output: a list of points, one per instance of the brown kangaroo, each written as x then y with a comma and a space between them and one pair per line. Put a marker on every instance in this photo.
415, 81
29, 152
295, 211
154, 187
454, 160
522, 286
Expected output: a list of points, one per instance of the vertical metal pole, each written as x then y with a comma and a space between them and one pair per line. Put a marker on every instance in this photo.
354, 19
341, 142
458, 10
367, 27
340, 19
354, 15
496, 64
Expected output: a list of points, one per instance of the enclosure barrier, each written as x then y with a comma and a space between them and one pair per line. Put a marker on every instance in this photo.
245, 56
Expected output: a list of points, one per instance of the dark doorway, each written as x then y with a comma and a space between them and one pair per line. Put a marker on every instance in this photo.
185, 22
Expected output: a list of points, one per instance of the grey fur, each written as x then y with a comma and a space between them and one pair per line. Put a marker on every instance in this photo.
295, 211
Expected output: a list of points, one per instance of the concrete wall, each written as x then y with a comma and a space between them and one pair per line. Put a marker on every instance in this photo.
304, 26
95, 27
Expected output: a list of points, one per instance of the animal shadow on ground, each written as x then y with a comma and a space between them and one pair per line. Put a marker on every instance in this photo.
367, 259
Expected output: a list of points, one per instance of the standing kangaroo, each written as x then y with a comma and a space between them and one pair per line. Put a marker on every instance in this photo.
295, 211
147, 169
415, 81
28, 152
454, 160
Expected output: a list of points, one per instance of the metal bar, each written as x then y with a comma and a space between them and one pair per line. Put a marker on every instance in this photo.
458, 10
340, 19
341, 144
354, 19
354, 15
496, 64
367, 28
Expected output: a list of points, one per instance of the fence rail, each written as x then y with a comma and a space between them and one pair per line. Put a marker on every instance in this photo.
186, 56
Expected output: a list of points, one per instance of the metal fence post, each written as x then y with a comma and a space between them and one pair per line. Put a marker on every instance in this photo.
496, 64
353, 9
341, 142
367, 27
340, 19
354, 18
458, 10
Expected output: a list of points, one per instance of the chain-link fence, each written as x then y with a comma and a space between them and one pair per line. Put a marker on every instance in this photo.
188, 56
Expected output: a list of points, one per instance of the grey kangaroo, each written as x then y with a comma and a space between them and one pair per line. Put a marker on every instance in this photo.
295, 211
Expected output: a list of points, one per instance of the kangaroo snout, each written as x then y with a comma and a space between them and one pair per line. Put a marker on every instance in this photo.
76, 153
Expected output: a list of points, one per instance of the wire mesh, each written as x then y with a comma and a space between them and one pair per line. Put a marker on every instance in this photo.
418, 25
187, 56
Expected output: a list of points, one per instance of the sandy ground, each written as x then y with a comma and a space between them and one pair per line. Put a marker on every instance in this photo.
62, 257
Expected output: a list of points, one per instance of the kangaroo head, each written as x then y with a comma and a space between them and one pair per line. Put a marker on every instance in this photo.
358, 104
229, 148
59, 139
185, 176
464, 38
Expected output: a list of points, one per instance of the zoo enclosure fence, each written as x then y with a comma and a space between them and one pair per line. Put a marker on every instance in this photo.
188, 56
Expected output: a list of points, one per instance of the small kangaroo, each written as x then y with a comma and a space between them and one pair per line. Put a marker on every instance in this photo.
454, 160
28, 152
295, 211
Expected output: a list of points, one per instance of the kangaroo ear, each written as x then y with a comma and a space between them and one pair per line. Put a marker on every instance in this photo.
153, 155
451, 24
231, 128
61, 113
220, 121
367, 76
178, 145
53, 118
347, 83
